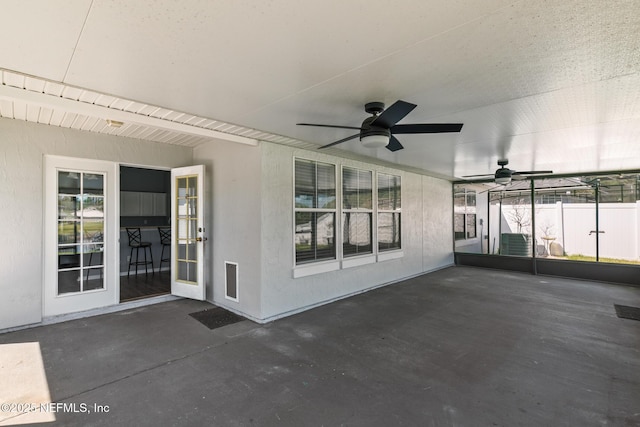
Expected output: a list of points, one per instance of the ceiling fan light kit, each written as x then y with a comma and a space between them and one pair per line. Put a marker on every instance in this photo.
503, 180
375, 141
378, 130
503, 175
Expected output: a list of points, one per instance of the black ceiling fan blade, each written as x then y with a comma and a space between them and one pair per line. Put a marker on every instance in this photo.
426, 128
328, 126
394, 144
488, 175
393, 114
340, 141
531, 172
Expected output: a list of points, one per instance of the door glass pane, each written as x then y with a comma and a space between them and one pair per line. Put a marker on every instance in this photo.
68, 257
68, 207
192, 185
92, 207
182, 229
92, 255
192, 252
193, 224
187, 224
93, 183
69, 232
187, 272
68, 281
93, 279
68, 183
93, 230
181, 184
80, 231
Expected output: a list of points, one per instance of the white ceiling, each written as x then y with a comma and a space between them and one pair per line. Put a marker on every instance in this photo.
548, 84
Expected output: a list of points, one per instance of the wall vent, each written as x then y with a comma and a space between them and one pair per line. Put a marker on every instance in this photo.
231, 280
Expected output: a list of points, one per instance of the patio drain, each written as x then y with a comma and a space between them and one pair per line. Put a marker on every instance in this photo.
217, 317
626, 312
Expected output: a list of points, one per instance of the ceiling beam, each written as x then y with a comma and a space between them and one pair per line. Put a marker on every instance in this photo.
11, 93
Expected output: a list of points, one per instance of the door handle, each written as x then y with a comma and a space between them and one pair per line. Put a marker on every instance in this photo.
201, 239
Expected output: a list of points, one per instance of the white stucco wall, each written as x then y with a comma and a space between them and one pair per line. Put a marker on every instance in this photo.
233, 190
437, 223
427, 239
22, 148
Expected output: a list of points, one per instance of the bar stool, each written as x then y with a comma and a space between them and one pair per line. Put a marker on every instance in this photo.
165, 240
135, 242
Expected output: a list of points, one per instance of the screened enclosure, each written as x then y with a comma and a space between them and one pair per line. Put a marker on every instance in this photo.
592, 218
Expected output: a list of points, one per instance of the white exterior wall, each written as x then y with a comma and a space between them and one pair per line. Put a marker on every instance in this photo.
427, 238
22, 149
232, 214
249, 220
437, 223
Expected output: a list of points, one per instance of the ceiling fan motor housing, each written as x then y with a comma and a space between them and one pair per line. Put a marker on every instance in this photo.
374, 107
503, 173
367, 130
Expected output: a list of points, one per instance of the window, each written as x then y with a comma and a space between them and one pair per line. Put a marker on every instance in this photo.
80, 239
389, 215
464, 205
357, 212
363, 205
315, 211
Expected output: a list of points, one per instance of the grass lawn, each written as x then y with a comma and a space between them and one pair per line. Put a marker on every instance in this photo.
579, 257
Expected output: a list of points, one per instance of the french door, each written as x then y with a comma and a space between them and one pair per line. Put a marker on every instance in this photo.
187, 231
81, 235
81, 255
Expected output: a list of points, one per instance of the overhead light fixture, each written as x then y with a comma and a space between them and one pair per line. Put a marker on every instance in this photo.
375, 141
503, 180
503, 175
114, 123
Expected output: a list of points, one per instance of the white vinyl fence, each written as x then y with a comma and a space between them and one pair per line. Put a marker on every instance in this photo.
570, 228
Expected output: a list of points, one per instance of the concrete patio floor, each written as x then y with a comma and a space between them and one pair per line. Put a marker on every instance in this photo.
459, 347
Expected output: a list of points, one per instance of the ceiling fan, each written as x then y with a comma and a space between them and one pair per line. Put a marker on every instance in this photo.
379, 129
504, 175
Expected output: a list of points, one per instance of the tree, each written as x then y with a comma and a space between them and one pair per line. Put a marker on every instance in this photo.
520, 214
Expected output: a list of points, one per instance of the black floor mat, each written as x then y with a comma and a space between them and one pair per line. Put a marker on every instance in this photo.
217, 317
626, 312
